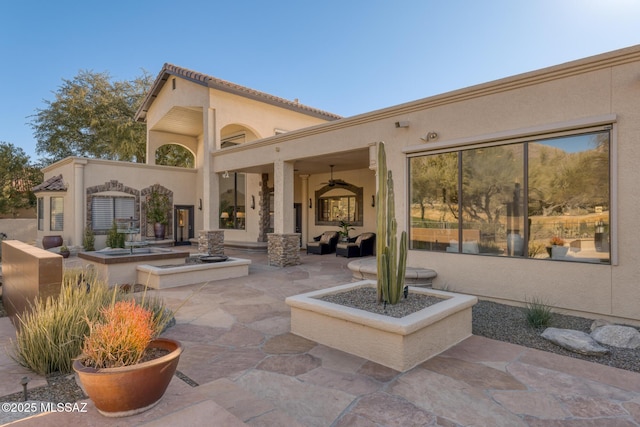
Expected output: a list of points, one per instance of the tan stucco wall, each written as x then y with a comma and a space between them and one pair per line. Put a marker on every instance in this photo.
597, 90
563, 97
98, 172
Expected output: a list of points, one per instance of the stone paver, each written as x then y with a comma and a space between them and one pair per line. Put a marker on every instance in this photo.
252, 371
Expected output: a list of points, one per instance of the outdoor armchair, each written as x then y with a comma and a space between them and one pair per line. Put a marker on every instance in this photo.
323, 244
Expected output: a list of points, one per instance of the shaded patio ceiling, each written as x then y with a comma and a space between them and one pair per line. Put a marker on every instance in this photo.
345, 160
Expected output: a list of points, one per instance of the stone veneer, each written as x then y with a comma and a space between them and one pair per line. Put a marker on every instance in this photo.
264, 216
112, 185
283, 249
211, 242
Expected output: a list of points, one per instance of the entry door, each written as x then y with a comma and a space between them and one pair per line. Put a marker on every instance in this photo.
183, 225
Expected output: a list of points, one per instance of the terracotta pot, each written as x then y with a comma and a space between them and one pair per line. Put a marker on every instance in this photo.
49, 242
130, 390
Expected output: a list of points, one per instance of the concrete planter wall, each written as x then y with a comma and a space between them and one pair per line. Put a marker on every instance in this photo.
399, 344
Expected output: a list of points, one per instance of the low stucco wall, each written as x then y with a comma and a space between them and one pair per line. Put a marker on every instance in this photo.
23, 229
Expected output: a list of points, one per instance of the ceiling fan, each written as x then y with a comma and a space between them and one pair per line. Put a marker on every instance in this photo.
333, 182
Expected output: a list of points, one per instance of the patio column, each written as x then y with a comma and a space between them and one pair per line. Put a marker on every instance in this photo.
79, 203
210, 196
283, 244
304, 181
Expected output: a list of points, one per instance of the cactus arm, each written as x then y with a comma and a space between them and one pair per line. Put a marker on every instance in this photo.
402, 262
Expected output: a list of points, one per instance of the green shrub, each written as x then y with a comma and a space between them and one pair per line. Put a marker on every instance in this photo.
115, 239
89, 240
538, 313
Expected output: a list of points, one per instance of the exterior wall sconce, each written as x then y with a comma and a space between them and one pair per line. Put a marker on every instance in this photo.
253, 202
373, 201
199, 204
225, 175
310, 205
430, 136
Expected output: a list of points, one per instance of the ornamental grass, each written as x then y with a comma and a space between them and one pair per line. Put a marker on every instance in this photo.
538, 313
120, 337
52, 331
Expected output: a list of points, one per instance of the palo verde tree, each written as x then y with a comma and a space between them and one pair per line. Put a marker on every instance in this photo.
93, 116
17, 178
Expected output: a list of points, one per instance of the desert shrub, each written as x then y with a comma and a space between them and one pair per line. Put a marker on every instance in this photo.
89, 240
161, 315
51, 332
120, 337
538, 313
115, 239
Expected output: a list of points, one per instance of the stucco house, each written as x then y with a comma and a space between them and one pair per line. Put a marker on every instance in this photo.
486, 179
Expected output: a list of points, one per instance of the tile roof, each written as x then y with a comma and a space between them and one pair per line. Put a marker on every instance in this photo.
215, 83
54, 183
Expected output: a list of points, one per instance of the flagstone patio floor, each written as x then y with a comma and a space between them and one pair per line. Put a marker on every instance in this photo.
251, 371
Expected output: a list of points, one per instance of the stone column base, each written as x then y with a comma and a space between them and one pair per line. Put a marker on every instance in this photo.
283, 249
211, 242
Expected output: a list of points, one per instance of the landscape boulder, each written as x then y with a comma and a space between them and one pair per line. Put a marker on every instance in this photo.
576, 341
617, 336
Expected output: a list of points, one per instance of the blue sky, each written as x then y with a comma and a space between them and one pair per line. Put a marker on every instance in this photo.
343, 56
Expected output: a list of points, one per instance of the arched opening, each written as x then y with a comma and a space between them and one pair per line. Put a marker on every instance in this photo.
235, 134
175, 155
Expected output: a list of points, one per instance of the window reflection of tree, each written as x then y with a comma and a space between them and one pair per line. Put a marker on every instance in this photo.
566, 190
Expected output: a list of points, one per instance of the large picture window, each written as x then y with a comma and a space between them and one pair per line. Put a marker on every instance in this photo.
233, 201
542, 198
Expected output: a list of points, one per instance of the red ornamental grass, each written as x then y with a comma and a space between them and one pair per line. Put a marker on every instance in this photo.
120, 338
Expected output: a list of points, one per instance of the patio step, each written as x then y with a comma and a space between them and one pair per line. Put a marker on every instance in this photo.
367, 269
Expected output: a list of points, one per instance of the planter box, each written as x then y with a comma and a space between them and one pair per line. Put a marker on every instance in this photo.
189, 274
398, 343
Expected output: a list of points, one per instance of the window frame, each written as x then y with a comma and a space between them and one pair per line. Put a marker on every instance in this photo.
57, 223
40, 213
353, 191
238, 220
113, 208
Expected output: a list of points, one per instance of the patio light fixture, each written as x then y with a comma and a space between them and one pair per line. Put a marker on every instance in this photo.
430, 136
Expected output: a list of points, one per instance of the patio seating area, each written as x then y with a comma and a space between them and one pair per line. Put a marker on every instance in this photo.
250, 370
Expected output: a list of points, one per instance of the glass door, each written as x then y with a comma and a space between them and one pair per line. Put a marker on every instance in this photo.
183, 227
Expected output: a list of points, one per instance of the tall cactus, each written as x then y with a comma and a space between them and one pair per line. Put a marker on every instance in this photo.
391, 261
